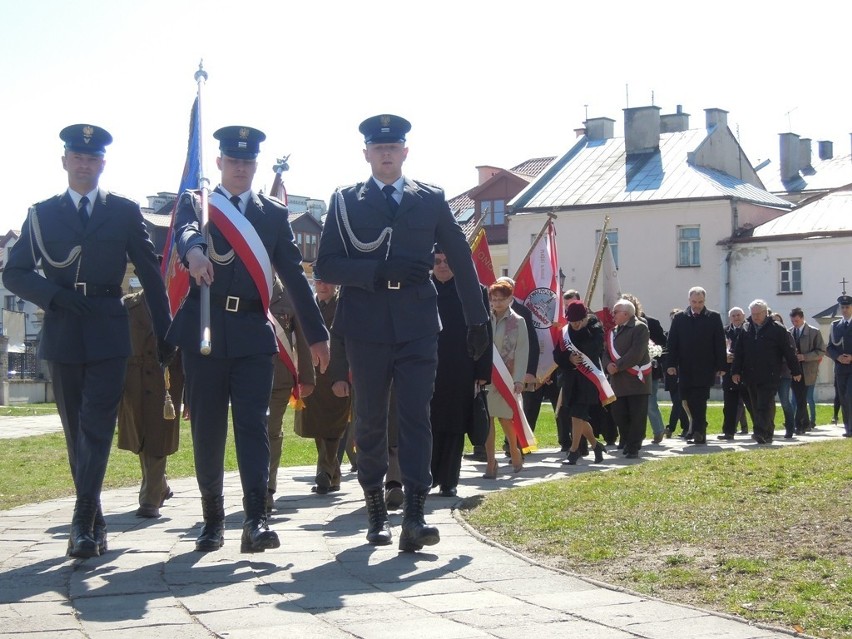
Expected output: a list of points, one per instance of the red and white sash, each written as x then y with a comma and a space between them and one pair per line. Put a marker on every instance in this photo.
589, 370
638, 371
245, 241
505, 385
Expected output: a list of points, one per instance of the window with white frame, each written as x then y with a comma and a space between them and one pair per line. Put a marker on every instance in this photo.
790, 275
689, 246
612, 238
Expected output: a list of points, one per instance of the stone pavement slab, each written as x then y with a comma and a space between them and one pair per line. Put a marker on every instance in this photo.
325, 581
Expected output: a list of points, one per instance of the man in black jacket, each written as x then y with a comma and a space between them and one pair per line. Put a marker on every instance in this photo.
732, 394
758, 353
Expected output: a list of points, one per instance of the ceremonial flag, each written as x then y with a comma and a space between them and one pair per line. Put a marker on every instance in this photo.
175, 275
610, 287
505, 385
481, 254
537, 288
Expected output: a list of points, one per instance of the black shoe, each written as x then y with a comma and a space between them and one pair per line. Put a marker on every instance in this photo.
599, 451
167, 494
256, 534
270, 502
698, 440
448, 491
81, 541
631, 455
415, 533
572, 458
725, 437
393, 496
212, 535
99, 531
378, 532
148, 511
334, 489
788, 435
667, 432
323, 483
743, 431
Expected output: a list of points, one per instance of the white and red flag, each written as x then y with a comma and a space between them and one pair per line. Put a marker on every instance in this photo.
537, 288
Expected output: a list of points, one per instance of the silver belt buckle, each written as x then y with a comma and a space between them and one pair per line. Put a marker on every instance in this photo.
232, 304
80, 287
394, 286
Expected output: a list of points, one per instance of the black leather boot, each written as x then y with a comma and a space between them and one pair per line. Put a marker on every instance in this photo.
212, 535
256, 534
99, 531
81, 542
378, 532
415, 533
599, 451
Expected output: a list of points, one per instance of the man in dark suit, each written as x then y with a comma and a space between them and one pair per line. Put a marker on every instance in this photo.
840, 350
733, 394
238, 370
377, 243
696, 354
81, 239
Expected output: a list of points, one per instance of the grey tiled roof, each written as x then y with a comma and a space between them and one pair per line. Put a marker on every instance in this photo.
826, 175
599, 172
828, 215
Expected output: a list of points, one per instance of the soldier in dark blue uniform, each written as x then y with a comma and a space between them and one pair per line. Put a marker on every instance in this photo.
377, 243
81, 239
840, 350
239, 369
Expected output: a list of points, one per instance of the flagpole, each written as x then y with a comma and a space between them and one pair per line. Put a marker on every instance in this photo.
204, 186
550, 217
596, 265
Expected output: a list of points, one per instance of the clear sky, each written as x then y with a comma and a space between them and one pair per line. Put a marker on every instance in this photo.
483, 82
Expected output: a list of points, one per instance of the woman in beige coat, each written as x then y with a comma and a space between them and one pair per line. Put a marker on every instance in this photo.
512, 345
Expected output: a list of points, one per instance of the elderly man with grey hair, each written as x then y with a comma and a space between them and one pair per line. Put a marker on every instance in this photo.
758, 354
628, 363
733, 395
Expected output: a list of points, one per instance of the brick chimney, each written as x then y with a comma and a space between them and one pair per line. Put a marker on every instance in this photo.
674, 122
715, 117
826, 149
789, 156
487, 172
600, 128
642, 129
805, 154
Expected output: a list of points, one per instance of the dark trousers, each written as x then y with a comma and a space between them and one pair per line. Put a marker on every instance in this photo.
533, 399
696, 400
732, 402
87, 398
447, 449
800, 401
762, 400
211, 384
677, 414
843, 382
630, 413
410, 366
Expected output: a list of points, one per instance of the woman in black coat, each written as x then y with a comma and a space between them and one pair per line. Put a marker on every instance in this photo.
578, 393
456, 380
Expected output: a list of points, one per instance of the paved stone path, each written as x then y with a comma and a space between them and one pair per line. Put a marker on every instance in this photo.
325, 581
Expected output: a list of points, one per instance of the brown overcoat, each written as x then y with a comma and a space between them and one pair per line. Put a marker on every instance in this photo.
325, 415
140, 414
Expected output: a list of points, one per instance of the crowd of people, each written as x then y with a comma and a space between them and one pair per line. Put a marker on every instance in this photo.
395, 357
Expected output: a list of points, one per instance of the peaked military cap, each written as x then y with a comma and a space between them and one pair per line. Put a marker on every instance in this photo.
844, 300
242, 142
384, 128
85, 138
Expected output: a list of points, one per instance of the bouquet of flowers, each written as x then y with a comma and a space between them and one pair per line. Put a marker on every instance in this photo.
654, 350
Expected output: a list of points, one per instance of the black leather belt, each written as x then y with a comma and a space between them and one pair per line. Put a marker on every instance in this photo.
98, 290
231, 303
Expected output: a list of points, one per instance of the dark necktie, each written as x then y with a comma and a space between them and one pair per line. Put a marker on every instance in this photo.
83, 211
235, 200
389, 190
797, 334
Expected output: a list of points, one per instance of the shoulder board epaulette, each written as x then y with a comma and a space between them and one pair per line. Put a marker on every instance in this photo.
50, 199
121, 197
429, 187
270, 198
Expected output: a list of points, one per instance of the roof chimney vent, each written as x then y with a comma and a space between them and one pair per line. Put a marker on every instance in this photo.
674, 122
716, 117
805, 154
826, 149
600, 128
789, 153
642, 129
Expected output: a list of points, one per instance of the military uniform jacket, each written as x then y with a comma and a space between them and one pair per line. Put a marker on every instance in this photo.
141, 426
114, 233
367, 309
840, 343
240, 334
282, 309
